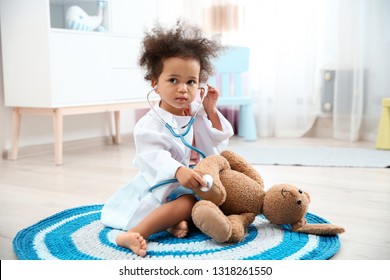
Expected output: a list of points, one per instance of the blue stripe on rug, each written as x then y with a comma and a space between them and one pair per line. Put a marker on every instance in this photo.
60, 249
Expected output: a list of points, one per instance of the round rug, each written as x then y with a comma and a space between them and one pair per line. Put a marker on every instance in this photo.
77, 234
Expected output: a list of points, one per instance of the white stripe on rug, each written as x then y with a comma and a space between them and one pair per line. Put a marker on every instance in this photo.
256, 246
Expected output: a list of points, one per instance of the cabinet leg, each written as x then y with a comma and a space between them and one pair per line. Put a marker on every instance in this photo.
58, 131
117, 138
16, 120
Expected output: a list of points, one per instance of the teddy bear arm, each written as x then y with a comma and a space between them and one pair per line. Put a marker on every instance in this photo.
318, 229
212, 165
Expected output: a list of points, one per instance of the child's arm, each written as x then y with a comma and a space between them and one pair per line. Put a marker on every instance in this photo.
189, 178
210, 107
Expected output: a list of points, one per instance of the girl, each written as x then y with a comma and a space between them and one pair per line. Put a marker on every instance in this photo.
176, 60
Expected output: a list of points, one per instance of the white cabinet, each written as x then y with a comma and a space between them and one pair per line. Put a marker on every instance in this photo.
46, 65
54, 71
94, 68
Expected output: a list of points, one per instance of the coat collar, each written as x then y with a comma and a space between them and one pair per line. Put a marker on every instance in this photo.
173, 120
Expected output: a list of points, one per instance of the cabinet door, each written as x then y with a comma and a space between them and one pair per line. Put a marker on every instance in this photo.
127, 80
128, 84
80, 68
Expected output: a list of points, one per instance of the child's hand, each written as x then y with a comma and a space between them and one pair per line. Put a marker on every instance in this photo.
210, 107
210, 101
189, 178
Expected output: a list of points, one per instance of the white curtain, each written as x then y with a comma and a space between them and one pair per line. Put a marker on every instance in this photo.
362, 64
293, 43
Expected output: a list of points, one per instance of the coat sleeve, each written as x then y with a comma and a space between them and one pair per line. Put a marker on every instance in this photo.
155, 155
211, 140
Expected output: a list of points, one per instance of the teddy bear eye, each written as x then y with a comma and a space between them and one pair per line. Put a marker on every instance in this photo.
299, 202
300, 191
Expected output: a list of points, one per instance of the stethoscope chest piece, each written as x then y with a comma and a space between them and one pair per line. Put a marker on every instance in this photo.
209, 183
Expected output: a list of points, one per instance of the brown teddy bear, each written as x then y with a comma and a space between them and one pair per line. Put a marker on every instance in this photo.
237, 196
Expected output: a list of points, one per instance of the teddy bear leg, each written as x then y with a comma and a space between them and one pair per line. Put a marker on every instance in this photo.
239, 223
239, 164
211, 221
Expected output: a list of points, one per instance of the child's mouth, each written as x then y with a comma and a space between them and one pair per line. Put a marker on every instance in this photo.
181, 99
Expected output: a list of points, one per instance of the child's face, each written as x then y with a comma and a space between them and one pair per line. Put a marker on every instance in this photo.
178, 84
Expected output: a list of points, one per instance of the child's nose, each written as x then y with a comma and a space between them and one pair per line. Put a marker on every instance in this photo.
182, 87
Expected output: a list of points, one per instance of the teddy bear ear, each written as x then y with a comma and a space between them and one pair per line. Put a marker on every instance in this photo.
317, 229
308, 196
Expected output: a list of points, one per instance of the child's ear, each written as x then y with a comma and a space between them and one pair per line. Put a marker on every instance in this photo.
154, 85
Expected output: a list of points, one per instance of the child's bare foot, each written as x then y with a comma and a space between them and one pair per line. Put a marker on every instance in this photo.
180, 230
133, 241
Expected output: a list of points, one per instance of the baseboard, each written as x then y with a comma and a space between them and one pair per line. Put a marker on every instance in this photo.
322, 128
47, 149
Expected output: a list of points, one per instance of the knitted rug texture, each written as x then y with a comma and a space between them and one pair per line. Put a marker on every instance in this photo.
77, 234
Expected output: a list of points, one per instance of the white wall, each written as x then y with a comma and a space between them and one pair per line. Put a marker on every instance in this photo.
5, 113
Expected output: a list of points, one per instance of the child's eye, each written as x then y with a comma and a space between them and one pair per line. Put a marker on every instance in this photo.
191, 82
173, 80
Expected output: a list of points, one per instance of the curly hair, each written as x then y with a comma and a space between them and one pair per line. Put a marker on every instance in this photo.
182, 40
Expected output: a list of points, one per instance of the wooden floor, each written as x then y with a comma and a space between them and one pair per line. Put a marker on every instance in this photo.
32, 188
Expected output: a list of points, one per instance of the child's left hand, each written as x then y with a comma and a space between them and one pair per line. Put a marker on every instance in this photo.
210, 101
210, 107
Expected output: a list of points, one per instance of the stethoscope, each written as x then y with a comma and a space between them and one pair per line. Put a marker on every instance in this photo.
188, 126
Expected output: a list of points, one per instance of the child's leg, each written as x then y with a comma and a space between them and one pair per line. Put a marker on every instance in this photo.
164, 217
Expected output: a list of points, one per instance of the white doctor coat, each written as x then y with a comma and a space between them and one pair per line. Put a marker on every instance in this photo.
158, 156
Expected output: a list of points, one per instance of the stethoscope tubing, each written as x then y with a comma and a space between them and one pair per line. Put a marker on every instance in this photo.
177, 135
181, 136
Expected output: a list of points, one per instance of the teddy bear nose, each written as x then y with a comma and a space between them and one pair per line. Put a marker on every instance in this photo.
299, 202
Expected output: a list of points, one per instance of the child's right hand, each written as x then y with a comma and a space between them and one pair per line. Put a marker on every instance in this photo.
189, 178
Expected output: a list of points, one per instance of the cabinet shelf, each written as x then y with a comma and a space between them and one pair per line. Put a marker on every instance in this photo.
59, 8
